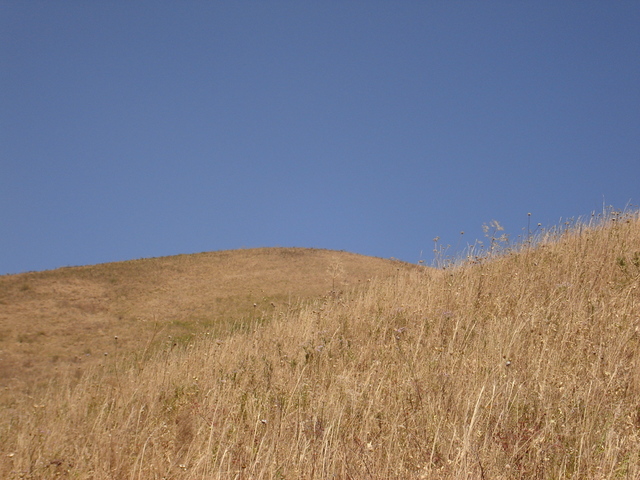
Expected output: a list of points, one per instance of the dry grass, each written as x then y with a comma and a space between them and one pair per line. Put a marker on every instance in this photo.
68, 318
523, 365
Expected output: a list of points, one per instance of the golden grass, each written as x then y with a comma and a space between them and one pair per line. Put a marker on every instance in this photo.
68, 318
523, 365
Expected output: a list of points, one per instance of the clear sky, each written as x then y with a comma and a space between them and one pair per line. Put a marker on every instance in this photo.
152, 128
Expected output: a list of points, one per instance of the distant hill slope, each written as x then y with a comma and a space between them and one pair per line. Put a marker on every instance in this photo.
73, 315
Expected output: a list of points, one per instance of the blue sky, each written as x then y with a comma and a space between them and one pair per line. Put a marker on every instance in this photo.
143, 129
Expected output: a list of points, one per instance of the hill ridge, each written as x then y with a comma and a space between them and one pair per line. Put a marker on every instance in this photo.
70, 315
518, 365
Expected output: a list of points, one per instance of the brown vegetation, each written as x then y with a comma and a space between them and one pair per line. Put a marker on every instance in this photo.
517, 366
70, 317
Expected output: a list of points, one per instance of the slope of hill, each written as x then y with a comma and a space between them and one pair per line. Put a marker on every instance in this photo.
72, 316
525, 365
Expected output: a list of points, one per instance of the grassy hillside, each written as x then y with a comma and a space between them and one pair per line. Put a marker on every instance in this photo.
69, 317
524, 365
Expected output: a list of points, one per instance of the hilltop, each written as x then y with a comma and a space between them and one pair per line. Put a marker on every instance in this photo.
522, 364
71, 316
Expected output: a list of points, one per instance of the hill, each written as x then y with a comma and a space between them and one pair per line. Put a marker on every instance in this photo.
71, 316
518, 365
